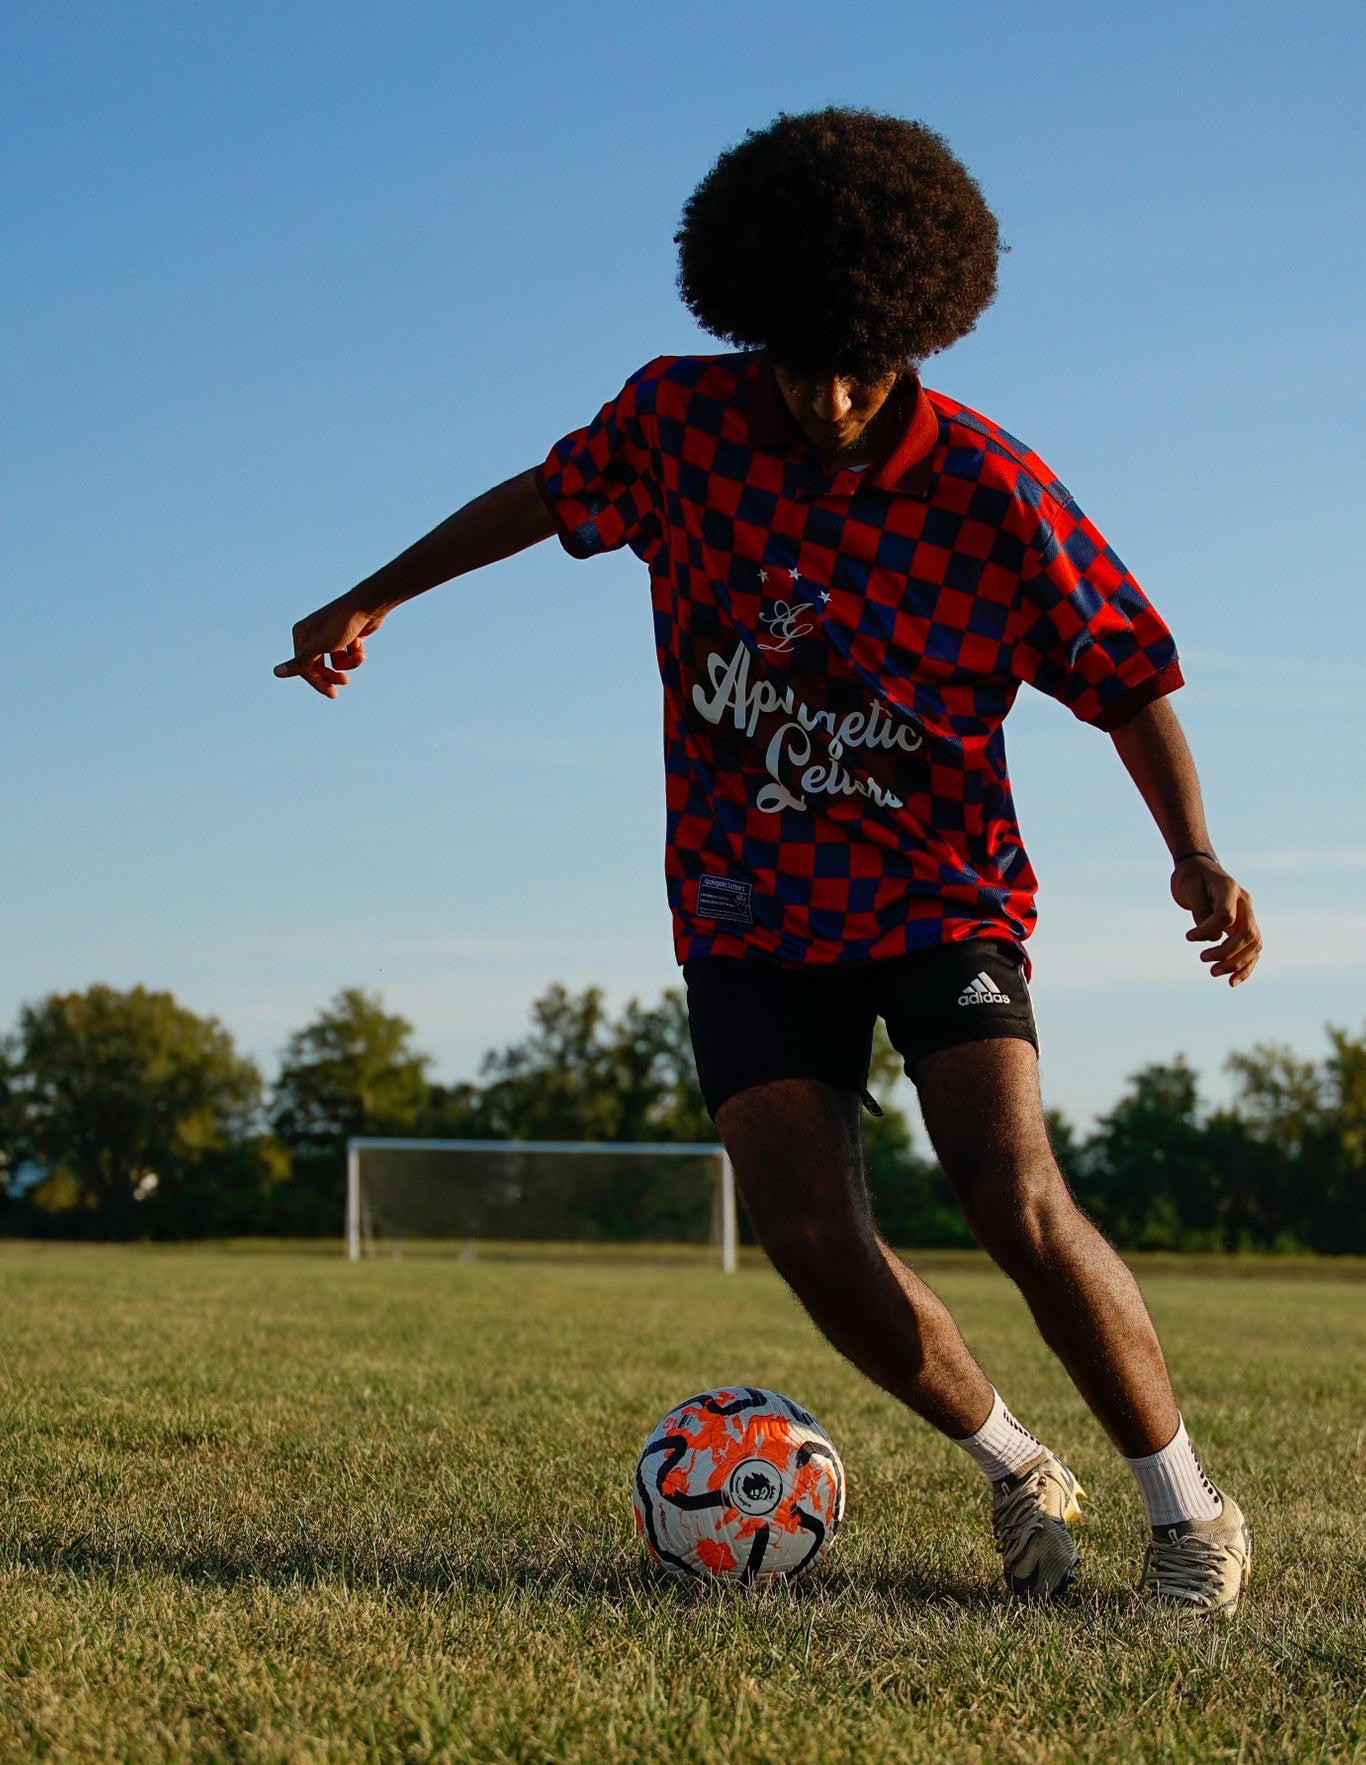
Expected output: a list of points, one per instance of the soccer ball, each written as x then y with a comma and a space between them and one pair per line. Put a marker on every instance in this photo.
738, 1483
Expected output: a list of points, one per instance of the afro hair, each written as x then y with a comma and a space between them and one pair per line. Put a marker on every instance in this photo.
839, 241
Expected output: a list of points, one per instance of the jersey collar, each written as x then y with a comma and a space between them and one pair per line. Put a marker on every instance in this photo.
905, 467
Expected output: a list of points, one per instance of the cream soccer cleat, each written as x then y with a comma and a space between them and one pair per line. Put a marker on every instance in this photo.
1029, 1515
1200, 1565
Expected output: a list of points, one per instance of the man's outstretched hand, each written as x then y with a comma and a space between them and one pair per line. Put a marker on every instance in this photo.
328, 644
504, 520
1222, 912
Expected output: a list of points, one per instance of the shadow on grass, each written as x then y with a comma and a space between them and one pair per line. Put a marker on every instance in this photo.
561, 1576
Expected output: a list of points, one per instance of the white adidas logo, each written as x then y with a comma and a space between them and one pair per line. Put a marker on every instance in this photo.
982, 991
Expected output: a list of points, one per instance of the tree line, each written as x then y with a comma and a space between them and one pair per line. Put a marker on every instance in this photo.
123, 1114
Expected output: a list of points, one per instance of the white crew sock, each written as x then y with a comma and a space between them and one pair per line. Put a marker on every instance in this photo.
1001, 1446
1173, 1486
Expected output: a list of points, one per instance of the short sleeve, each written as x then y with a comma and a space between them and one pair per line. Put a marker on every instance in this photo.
1083, 630
598, 483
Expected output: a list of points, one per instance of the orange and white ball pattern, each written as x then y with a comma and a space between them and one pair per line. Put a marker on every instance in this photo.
740, 1483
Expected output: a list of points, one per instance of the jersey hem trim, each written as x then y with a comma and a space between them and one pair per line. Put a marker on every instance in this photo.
1124, 710
567, 535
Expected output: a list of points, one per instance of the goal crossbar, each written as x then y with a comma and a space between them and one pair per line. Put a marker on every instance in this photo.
655, 1149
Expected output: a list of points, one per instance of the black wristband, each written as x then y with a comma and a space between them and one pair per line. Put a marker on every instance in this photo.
1199, 852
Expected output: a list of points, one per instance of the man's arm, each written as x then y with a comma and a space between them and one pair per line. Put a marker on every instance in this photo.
502, 521
1156, 756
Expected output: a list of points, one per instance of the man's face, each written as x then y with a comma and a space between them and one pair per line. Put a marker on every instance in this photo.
833, 410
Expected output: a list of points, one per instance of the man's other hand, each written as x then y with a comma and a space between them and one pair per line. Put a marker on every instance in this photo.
1222, 912
328, 644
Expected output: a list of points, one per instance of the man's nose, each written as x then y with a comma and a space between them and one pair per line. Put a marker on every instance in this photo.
831, 399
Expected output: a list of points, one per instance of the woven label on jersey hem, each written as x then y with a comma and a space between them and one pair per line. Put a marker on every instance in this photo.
725, 897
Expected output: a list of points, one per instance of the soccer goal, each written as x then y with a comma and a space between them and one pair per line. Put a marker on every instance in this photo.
455, 1194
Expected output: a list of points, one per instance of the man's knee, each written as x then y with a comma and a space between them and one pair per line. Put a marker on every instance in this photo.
817, 1247
1020, 1214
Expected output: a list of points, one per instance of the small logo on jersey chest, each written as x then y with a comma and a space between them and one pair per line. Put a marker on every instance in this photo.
789, 610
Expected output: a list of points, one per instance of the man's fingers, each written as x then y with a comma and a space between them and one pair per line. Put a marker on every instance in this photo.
1230, 951
1238, 954
307, 666
1239, 965
1214, 925
315, 671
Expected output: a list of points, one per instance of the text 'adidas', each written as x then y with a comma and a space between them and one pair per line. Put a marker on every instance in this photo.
983, 991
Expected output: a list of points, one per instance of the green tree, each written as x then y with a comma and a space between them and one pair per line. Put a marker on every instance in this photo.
1266, 1145
583, 1075
556, 1083
1345, 1075
580, 1075
352, 1071
1294, 1146
1067, 1148
141, 1115
1342, 1223
11, 1122
651, 1062
1148, 1174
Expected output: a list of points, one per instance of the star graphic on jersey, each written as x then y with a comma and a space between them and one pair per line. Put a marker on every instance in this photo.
816, 596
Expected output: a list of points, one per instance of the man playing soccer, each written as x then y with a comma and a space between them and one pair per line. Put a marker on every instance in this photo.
851, 576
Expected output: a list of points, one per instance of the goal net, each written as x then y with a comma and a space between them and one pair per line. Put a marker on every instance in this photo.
456, 1194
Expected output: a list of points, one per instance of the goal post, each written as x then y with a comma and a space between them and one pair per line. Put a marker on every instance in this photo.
562, 1191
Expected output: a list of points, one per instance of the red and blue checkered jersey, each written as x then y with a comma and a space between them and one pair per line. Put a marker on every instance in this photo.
839, 650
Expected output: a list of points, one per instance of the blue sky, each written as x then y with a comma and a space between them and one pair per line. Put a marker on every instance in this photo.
286, 284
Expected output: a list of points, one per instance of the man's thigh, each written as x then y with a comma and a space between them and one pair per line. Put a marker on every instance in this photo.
795, 1147
984, 1115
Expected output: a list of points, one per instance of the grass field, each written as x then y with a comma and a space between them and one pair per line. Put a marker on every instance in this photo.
273, 1507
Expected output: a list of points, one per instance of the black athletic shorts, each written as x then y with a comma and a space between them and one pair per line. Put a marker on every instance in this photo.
753, 1022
